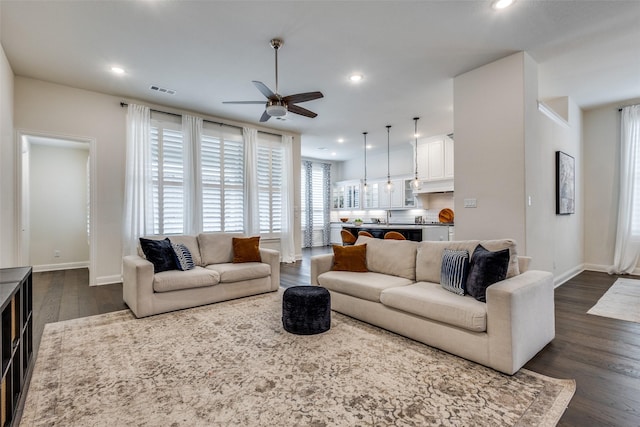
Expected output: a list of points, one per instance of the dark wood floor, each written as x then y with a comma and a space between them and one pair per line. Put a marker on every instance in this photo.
601, 354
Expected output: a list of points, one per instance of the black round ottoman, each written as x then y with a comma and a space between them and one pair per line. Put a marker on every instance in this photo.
306, 310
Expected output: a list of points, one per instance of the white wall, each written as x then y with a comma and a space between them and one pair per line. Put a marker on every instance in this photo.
7, 154
601, 179
489, 150
58, 206
400, 163
47, 108
505, 154
556, 242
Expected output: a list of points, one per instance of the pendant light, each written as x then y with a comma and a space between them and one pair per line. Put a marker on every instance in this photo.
416, 184
365, 187
389, 186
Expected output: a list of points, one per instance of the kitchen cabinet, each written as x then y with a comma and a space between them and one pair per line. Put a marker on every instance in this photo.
409, 199
435, 158
346, 195
390, 199
371, 197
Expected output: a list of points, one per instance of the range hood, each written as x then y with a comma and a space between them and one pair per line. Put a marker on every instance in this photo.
441, 186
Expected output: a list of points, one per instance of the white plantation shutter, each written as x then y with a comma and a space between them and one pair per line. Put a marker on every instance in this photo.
222, 180
270, 180
314, 203
167, 178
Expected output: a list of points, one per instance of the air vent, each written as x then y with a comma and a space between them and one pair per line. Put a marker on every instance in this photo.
162, 90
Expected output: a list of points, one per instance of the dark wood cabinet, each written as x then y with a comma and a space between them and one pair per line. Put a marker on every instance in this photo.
16, 339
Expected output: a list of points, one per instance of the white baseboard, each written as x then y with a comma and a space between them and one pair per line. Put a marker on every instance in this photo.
605, 269
108, 280
61, 266
567, 275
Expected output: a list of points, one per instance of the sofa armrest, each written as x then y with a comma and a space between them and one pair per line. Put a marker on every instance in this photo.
137, 284
272, 257
320, 264
520, 319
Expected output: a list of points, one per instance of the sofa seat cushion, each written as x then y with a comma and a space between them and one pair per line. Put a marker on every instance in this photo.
431, 301
361, 285
174, 280
230, 272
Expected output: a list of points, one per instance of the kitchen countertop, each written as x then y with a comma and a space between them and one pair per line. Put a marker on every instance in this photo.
396, 226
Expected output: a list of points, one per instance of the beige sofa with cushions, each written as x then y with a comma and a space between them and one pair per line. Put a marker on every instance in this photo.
215, 278
401, 293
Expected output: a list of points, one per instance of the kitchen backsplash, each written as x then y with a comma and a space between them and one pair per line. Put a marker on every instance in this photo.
437, 202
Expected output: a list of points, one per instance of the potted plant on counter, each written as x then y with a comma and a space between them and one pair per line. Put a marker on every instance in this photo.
357, 222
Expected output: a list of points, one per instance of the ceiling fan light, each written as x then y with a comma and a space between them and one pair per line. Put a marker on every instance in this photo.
501, 4
276, 110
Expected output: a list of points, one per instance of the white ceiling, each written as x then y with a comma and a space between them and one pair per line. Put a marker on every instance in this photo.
408, 52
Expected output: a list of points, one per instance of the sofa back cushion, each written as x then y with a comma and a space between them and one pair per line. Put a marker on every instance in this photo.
394, 257
429, 256
216, 248
191, 242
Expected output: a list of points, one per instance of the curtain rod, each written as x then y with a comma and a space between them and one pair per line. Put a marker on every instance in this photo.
124, 104
631, 105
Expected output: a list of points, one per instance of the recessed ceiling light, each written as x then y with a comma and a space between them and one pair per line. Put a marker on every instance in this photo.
340, 140
117, 70
501, 4
356, 77
333, 153
369, 146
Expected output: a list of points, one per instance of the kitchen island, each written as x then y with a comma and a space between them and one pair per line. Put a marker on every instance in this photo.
415, 232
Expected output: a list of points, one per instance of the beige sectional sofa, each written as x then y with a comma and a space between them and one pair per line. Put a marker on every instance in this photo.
401, 293
215, 277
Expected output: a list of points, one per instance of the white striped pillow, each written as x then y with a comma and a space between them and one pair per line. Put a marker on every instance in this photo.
184, 260
455, 267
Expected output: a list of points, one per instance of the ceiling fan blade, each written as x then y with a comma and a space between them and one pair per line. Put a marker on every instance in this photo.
302, 111
264, 90
302, 97
264, 117
243, 102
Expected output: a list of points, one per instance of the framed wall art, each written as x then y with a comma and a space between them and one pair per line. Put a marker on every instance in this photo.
565, 184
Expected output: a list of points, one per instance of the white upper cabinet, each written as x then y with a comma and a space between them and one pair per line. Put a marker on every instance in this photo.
435, 158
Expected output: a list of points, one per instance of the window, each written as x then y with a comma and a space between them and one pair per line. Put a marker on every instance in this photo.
315, 203
270, 179
222, 180
167, 177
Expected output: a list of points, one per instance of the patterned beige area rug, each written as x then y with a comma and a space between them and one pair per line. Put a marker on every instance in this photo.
233, 364
621, 301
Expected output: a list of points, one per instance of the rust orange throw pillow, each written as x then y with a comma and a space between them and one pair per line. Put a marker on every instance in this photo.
246, 249
350, 258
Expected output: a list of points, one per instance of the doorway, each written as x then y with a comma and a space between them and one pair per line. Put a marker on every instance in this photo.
56, 191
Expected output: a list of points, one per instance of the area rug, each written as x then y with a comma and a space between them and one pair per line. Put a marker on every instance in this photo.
621, 301
233, 364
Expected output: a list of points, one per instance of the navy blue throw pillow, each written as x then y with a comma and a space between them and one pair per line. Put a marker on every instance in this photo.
160, 253
486, 268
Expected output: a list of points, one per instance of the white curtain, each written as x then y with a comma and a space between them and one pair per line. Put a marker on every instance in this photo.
251, 206
287, 245
138, 196
191, 137
627, 250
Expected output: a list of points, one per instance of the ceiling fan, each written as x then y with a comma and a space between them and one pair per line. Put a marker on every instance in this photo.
276, 104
